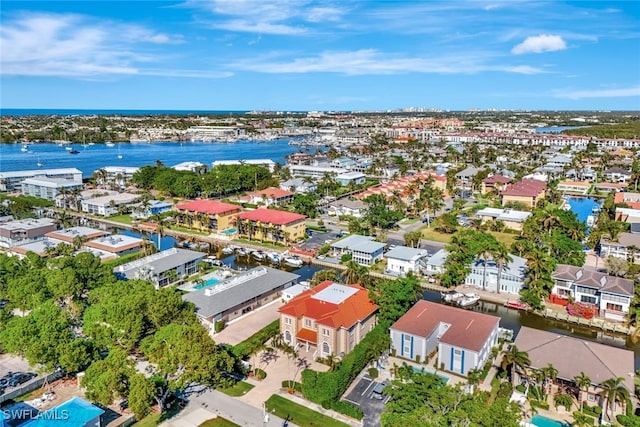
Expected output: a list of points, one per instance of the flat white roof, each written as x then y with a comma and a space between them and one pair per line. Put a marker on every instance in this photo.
51, 182
25, 224
335, 293
38, 172
116, 241
350, 175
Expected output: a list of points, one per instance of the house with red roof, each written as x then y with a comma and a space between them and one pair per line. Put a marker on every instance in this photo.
207, 215
526, 191
462, 338
270, 196
270, 225
494, 182
330, 319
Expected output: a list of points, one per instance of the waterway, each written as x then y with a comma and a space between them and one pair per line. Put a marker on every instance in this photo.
93, 157
583, 206
510, 318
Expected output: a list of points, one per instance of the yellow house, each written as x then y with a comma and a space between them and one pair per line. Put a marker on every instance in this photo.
271, 226
207, 215
527, 191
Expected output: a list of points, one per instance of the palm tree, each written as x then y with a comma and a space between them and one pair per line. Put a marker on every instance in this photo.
356, 273
517, 360
583, 382
501, 256
550, 375
614, 391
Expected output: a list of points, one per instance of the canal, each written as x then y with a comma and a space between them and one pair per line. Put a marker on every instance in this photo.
510, 318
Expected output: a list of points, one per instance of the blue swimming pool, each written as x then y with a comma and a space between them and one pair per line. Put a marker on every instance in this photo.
422, 370
583, 206
207, 283
229, 231
540, 421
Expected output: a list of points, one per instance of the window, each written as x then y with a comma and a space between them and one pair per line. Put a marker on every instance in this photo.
588, 299
287, 320
326, 348
457, 352
407, 344
325, 332
287, 337
616, 307
307, 323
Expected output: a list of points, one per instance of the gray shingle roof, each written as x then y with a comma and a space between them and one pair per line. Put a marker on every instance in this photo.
160, 262
237, 290
405, 253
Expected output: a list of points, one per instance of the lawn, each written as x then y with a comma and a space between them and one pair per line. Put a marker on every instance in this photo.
238, 389
123, 219
298, 414
156, 418
218, 422
431, 234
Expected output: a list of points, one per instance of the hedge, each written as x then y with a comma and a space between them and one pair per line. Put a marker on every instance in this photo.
594, 411
255, 341
539, 404
629, 420
347, 409
321, 387
292, 384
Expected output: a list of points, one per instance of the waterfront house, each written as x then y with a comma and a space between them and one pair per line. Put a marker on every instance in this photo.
632, 200
40, 247
511, 277
527, 191
10, 181
108, 205
435, 263
298, 186
573, 356
118, 176
611, 295
150, 208
73, 234
232, 297
48, 188
270, 196
574, 187
329, 319
355, 178
265, 163
608, 187
22, 231
271, 226
494, 183
363, 249
346, 207
162, 268
402, 259
461, 338
626, 245
207, 215
117, 244
616, 174
197, 167
511, 218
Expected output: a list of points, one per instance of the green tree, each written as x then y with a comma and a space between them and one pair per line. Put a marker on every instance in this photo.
614, 391
322, 275
583, 382
356, 274
141, 395
395, 297
516, 360
108, 379
412, 238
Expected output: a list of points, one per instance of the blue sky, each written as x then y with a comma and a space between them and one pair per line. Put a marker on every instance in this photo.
324, 55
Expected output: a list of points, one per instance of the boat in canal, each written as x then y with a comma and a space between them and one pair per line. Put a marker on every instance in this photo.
467, 300
517, 305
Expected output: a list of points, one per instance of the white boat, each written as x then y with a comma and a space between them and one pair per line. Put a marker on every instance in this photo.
24, 148
591, 220
452, 296
227, 250
39, 164
68, 148
293, 261
109, 144
468, 299
274, 257
119, 154
257, 255
241, 252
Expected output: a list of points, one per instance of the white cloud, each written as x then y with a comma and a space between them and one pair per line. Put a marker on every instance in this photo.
599, 93
80, 47
373, 62
539, 44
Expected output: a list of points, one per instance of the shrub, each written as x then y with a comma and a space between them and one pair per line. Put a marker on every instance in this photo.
539, 404
346, 257
594, 411
417, 358
220, 324
629, 420
582, 419
292, 384
260, 374
520, 388
373, 372
563, 400
505, 390
347, 409
253, 343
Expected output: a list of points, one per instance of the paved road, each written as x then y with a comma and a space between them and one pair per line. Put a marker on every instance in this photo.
211, 403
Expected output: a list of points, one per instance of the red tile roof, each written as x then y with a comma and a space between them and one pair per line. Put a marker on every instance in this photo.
208, 206
271, 216
497, 179
272, 193
469, 330
344, 315
525, 188
307, 335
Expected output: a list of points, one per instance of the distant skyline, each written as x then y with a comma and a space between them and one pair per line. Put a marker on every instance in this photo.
320, 55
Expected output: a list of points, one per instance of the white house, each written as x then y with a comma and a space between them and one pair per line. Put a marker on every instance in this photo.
612, 295
298, 185
107, 205
463, 339
403, 259
155, 268
363, 249
511, 279
435, 263
48, 188
355, 208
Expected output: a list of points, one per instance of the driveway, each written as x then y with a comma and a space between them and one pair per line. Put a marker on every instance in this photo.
361, 396
242, 328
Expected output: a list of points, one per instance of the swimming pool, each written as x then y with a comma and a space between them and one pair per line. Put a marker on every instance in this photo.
229, 231
424, 371
209, 282
540, 421
583, 206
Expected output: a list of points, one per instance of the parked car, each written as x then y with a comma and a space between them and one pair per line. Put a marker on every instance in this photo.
378, 391
21, 378
4, 381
